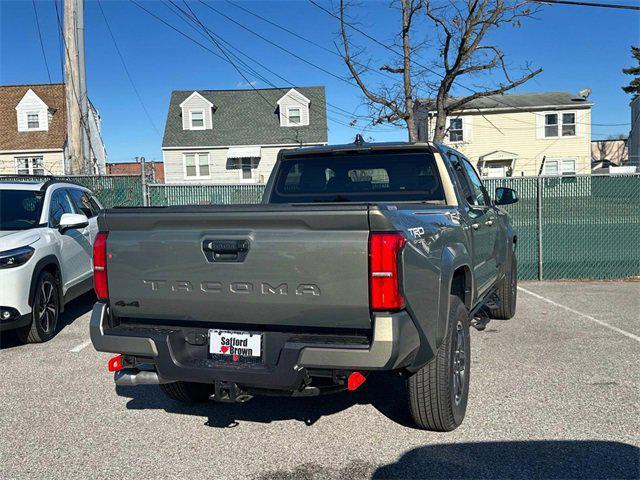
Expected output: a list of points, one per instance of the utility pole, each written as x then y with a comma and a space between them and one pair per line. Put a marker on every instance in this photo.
75, 85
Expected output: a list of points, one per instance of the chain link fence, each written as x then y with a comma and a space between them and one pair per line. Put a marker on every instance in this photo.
202, 194
585, 227
111, 190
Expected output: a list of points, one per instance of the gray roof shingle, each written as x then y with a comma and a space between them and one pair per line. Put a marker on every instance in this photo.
517, 101
243, 117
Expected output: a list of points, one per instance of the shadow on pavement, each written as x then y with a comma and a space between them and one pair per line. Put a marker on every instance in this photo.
548, 459
381, 391
544, 459
72, 311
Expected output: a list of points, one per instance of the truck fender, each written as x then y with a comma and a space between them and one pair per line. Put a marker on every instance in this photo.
453, 257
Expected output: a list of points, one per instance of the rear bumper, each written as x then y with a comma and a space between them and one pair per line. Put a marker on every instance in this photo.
287, 358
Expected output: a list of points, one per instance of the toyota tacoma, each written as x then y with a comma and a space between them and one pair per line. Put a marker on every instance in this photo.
361, 258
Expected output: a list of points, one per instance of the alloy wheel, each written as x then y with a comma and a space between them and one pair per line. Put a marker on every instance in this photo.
459, 364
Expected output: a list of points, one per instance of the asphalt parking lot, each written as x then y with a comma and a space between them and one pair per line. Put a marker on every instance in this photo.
555, 393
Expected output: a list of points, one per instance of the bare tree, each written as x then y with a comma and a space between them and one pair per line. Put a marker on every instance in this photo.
460, 30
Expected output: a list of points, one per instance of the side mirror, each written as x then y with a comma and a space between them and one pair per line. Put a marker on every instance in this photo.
506, 196
73, 220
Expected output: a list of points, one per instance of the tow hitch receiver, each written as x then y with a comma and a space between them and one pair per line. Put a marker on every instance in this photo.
229, 392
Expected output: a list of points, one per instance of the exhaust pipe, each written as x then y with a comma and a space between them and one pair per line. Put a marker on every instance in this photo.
130, 377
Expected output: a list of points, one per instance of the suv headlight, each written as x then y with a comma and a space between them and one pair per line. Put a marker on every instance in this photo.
15, 257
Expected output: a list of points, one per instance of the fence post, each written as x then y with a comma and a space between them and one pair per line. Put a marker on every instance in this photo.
143, 175
539, 223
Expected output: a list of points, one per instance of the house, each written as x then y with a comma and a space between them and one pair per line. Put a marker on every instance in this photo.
518, 134
33, 131
154, 170
634, 134
234, 136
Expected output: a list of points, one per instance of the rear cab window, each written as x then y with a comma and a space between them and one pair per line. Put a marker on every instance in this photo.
362, 177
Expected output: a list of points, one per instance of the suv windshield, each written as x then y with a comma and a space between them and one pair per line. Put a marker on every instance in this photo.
20, 209
366, 177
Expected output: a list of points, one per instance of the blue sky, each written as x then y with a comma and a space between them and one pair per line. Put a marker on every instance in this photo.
576, 46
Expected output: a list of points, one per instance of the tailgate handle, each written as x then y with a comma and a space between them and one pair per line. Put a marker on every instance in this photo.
225, 250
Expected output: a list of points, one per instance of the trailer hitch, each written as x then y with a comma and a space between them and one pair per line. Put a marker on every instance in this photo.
229, 392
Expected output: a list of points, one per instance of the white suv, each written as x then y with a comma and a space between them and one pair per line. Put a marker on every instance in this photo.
46, 238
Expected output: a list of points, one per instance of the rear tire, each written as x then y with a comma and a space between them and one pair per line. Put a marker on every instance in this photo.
507, 294
45, 311
438, 392
187, 392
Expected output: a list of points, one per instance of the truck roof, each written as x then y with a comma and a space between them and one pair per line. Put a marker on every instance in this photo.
358, 145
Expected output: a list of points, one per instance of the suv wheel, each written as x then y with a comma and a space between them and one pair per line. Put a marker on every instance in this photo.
507, 294
45, 311
438, 392
187, 392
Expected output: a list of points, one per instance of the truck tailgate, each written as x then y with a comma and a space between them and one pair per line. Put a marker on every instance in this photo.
260, 264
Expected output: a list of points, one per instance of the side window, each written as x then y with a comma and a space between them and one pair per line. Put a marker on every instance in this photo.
479, 196
82, 202
60, 204
467, 191
95, 204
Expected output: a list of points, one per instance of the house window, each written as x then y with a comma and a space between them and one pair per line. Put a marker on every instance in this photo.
559, 166
196, 165
568, 124
294, 116
29, 166
455, 130
33, 121
551, 125
197, 119
556, 125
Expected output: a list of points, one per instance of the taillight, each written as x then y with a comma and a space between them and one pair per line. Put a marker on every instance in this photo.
384, 249
100, 266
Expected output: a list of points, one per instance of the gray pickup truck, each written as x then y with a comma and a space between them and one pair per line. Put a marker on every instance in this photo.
361, 258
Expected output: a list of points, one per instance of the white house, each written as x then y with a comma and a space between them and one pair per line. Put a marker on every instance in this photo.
234, 136
33, 131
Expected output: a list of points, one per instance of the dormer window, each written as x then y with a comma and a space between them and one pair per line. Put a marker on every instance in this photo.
196, 112
33, 121
294, 115
32, 113
197, 119
294, 109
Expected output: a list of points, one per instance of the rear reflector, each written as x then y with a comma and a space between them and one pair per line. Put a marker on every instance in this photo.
100, 266
355, 380
384, 249
115, 364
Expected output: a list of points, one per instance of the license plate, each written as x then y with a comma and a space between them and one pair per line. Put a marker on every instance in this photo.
235, 345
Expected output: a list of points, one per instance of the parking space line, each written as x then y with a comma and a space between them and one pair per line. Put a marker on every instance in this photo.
584, 315
80, 347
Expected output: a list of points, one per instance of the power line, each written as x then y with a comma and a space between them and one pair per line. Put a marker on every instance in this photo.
301, 37
126, 70
590, 4
428, 69
194, 18
293, 54
180, 32
44, 56
337, 110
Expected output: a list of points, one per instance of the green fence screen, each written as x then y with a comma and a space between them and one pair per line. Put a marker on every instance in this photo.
576, 227
111, 190
163, 195
568, 227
